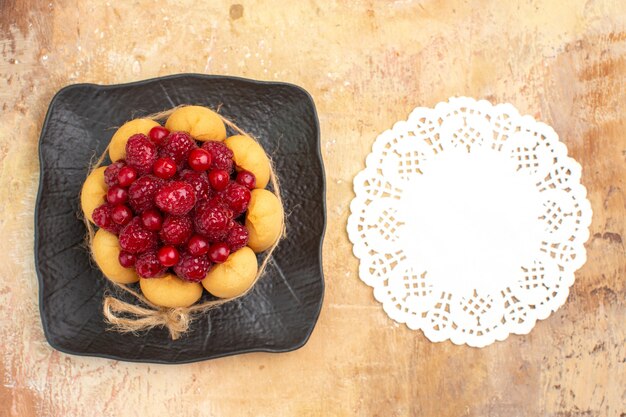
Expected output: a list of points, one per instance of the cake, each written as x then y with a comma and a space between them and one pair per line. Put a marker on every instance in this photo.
182, 208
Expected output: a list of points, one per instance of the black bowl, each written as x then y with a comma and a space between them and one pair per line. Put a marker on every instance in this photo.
278, 315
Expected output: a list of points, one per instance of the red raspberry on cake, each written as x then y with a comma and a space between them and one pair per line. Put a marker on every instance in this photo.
177, 146
192, 268
176, 230
134, 238
213, 221
148, 265
199, 181
221, 156
112, 171
141, 153
236, 197
237, 237
176, 197
141, 193
103, 218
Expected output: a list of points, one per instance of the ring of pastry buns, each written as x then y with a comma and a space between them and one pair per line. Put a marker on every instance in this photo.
120, 236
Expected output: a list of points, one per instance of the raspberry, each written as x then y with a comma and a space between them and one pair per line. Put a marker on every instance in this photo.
148, 265
237, 237
177, 146
192, 268
212, 221
236, 197
221, 156
141, 193
176, 198
141, 153
176, 230
111, 172
121, 214
199, 181
134, 238
217, 200
103, 217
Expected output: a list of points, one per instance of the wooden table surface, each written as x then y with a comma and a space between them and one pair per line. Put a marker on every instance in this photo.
367, 64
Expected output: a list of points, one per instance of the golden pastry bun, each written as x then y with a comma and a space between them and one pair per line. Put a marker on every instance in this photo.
249, 155
200, 122
93, 192
170, 291
233, 277
117, 147
264, 220
106, 249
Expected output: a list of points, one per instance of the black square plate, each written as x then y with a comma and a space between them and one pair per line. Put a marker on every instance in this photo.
278, 315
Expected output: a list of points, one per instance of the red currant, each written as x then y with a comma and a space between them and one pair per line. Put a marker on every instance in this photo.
117, 195
152, 220
158, 134
247, 179
199, 160
121, 214
164, 168
198, 245
168, 256
218, 179
218, 252
127, 259
126, 176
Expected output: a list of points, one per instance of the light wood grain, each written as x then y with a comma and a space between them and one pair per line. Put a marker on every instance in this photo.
367, 64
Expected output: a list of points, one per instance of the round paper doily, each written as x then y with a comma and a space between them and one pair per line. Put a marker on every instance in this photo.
469, 221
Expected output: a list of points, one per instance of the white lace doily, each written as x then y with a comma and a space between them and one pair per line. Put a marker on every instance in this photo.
469, 221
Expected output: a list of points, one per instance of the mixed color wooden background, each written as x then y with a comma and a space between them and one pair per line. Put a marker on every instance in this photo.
367, 64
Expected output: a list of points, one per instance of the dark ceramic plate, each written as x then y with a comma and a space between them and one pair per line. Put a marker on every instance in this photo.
279, 313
